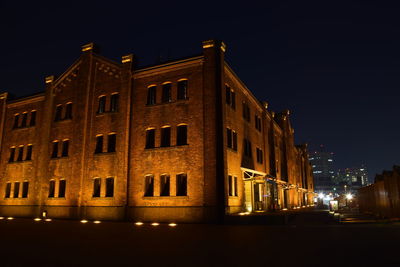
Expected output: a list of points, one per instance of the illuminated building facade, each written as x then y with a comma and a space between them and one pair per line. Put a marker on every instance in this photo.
351, 179
323, 171
179, 141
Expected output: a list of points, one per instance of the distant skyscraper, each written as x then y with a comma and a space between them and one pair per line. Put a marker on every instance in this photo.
322, 164
352, 178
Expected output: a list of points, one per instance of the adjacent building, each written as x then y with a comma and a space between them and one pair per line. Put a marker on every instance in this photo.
349, 180
323, 171
184, 140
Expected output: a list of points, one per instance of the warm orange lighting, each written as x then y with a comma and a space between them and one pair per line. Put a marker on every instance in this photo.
172, 224
48, 220
97, 222
84, 221
1, 218
139, 223
10, 218
37, 219
155, 224
284, 209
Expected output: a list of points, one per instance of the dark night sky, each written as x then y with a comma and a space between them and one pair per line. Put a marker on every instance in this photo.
335, 65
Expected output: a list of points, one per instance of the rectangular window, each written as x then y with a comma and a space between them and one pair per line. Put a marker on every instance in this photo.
151, 95
58, 113
96, 187
247, 148
12, 154
181, 184
65, 148
16, 121
234, 140
68, 111
20, 153
52, 188
24, 119
166, 136
29, 153
150, 138
102, 104
149, 186
235, 191
54, 153
230, 185
8, 190
164, 185
25, 189
16, 190
229, 137
109, 187
181, 135
114, 103
259, 155
182, 90
233, 100
166, 93
32, 122
99, 144
112, 140
246, 112
257, 121
228, 94
61, 188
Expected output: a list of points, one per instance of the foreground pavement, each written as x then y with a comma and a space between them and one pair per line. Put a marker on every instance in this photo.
25, 242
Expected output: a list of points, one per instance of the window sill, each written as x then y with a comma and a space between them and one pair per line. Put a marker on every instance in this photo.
165, 147
56, 198
20, 161
232, 150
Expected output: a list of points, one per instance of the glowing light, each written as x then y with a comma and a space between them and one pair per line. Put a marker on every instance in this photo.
48, 220
172, 224
37, 219
321, 195
349, 196
10, 218
1, 218
155, 224
139, 223
97, 222
84, 221
284, 209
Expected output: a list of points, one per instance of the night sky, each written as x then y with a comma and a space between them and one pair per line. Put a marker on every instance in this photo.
335, 66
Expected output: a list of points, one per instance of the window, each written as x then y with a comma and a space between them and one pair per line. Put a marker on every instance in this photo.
257, 121
24, 119
259, 155
182, 90
150, 138
114, 103
181, 184
12, 154
68, 111
181, 135
247, 148
151, 95
230, 97
58, 113
16, 189
29, 153
20, 153
235, 191
16, 121
96, 187
166, 93
112, 139
149, 186
65, 148
8, 190
246, 112
234, 135
25, 188
102, 104
52, 188
99, 144
109, 187
231, 137
166, 136
54, 153
232, 186
61, 188
164, 185
32, 122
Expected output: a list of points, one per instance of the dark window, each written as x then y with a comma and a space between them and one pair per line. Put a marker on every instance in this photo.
229, 137
228, 94
246, 112
181, 135
25, 189
182, 90
112, 140
32, 122
150, 138
54, 153
234, 140
20, 153
247, 148
58, 113
166, 93
166, 136
233, 100
68, 111
259, 155
12, 154
24, 119
52, 188
181, 184
99, 144
65, 148
109, 187
29, 153
235, 191
102, 104
16, 189
257, 121
151, 95
149, 186
61, 188
96, 187
230, 185
8, 190
164, 185
16, 121
114, 102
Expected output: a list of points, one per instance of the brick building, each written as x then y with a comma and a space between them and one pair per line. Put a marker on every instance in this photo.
178, 141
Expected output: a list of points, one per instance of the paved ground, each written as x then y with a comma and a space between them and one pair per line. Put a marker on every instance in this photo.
70, 243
